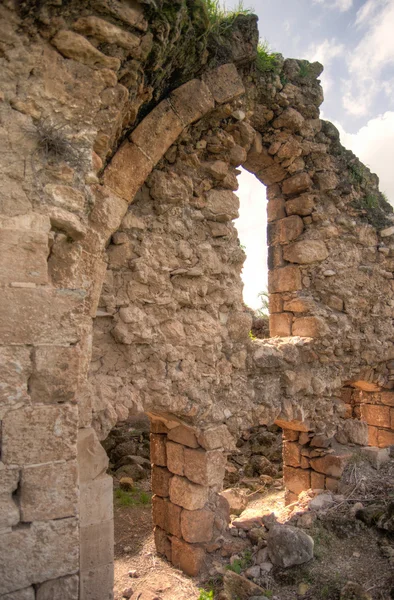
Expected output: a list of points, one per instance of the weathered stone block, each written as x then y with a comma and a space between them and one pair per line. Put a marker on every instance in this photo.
187, 557
55, 376
297, 184
296, 480
75, 46
280, 324
106, 32
331, 465
192, 100
183, 435
158, 131
96, 501
276, 209
224, 83
289, 119
158, 453
167, 515
42, 551
92, 458
317, 481
306, 251
98, 583
205, 467
108, 211
163, 543
66, 197
326, 181
187, 494
303, 205
299, 304
40, 316
332, 484
286, 279
285, 230
161, 481
378, 416
216, 437
65, 588
26, 594
372, 436
222, 205
275, 257
15, 370
275, 303
24, 256
97, 545
376, 456
272, 174
175, 458
385, 438
9, 510
291, 454
197, 525
40, 434
49, 492
127, 171
309, 327
387, 398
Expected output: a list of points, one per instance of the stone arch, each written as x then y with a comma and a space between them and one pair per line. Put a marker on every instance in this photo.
51, 299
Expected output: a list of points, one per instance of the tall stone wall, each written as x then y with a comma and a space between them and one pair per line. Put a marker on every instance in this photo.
117, 195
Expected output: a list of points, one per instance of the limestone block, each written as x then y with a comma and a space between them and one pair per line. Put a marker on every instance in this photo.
169, 187
372, 436
183, 435
108, 211
40, 434
56, 373
317, 481
297, 184
280, 324
64, 588
286, 279
272, 174
26, 594
161, 481
238, 325
309, 327
166, 515
296, 480
40, 316
15, 370
158, 131
291, 454
175, 458
187, 557
162, 543
92, 458
197, 525
307, 251
49, 492
224, 83
356, 431
285, 230
127, 171
97, 545
258, 157
378, 416
75, 46
222, 205
191, 101
275, 257
303, 205
97, 583
376, 456
66, 197
43, 550
276, 210
216, 437
332, 484
385, 438
205, 467
9, 510
299, 304
96, 501
24, 256
331, 465
275, 303
289, 119
106, 32
387, 398
326, 181
158, 452
187, 494
67, 222
292, 425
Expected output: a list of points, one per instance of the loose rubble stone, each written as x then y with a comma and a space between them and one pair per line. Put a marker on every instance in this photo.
288, 546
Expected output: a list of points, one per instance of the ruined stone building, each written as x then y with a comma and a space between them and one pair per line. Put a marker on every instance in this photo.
122, 125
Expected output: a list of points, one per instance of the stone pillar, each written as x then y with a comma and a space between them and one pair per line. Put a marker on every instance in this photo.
96, 519
187, 474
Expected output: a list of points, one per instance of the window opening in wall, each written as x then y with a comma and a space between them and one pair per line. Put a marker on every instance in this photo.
252, 232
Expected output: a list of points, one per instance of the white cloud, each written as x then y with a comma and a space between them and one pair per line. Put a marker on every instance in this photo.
373, 144
325, 53
342, 5
373, 54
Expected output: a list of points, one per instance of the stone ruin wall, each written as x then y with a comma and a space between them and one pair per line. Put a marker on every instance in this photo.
170, 334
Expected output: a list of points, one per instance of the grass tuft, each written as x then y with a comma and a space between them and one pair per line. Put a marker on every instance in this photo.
133, 498
220, 18
266, 59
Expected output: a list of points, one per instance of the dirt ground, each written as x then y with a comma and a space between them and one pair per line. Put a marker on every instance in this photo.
346, 549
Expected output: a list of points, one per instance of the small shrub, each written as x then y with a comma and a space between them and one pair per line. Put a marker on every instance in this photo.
304, 69
52, 142
355, 173
133, 497
371, 201
266, 60
252, 336
204, 595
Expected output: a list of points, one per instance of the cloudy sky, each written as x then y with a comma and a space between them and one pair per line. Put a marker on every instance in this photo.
354, 40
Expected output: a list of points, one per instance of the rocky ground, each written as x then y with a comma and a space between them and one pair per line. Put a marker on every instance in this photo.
351, 556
